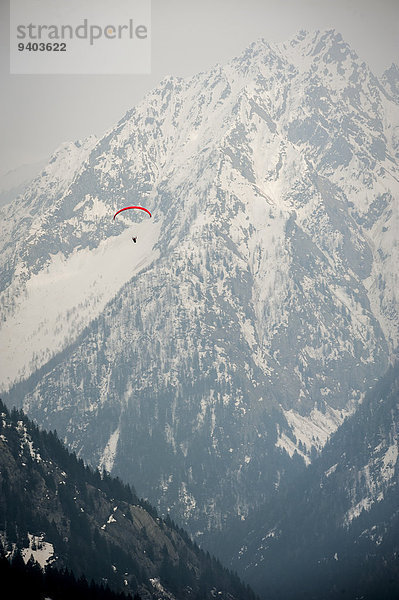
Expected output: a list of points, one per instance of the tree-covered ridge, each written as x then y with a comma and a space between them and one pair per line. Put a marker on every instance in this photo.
95, 524
28, 580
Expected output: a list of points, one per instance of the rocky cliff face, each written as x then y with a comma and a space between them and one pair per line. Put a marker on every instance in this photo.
259, 303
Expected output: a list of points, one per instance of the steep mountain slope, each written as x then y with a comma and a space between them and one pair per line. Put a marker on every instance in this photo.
260, 302
334, 532
65, 515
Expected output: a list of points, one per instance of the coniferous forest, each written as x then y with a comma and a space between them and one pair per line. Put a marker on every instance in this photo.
94, 527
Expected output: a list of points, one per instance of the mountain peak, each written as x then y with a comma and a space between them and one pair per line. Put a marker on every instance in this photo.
308, 48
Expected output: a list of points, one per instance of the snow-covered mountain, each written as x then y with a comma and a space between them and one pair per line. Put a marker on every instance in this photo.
259, 303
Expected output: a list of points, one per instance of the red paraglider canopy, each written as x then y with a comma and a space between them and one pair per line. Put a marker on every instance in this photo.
129, 207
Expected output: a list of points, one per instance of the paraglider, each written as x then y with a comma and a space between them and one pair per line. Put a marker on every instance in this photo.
130, 207
134, 238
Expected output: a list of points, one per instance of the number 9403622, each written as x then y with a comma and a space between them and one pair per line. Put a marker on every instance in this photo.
42, 47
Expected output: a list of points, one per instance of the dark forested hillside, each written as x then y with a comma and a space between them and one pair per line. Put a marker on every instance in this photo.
29, 581
65, 515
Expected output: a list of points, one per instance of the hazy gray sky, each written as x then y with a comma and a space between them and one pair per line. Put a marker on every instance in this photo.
39, 112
